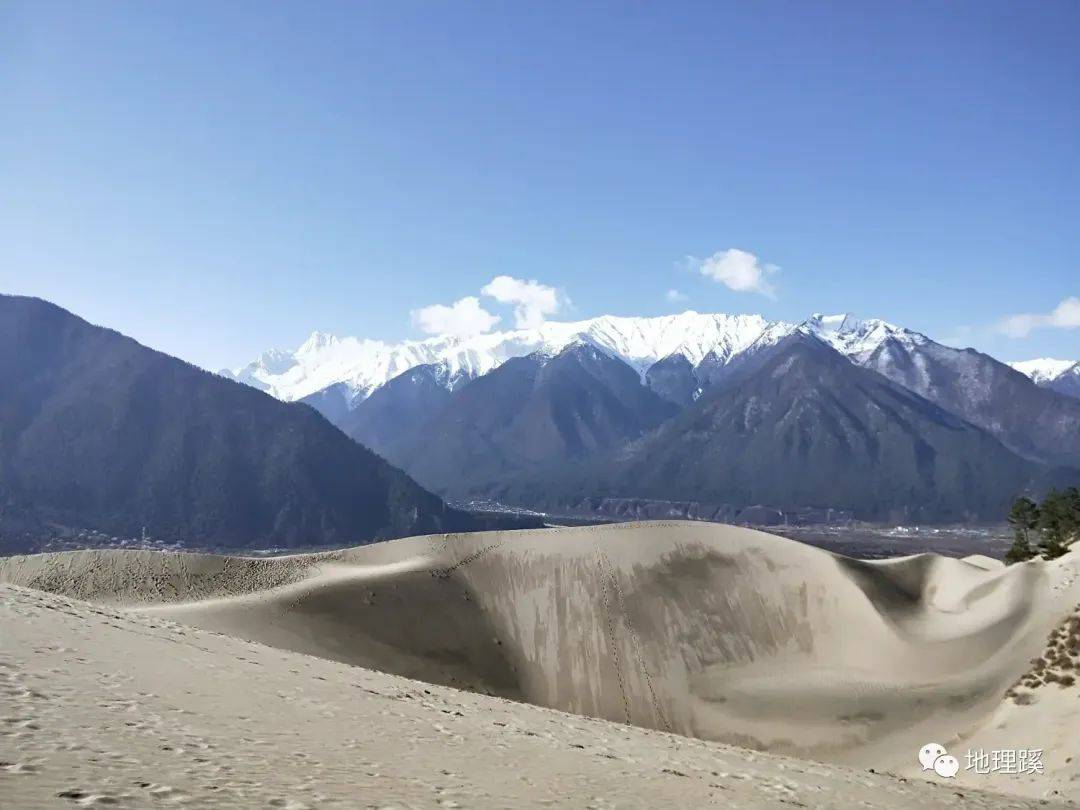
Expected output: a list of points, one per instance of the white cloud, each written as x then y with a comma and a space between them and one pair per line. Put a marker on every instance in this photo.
738, 270
675, 297
462, 318
1065, 315
532, 301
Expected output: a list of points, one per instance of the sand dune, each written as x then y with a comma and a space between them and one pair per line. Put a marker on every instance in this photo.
107, 707
714, 632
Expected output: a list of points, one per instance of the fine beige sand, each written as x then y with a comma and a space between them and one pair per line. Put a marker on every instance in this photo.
713, 632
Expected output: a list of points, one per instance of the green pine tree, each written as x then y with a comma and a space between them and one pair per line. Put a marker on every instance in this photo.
1023, 517
1057, 527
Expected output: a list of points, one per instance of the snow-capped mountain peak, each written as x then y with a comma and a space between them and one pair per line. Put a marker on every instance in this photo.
276, 361
317, 342
857, 338
1043, 370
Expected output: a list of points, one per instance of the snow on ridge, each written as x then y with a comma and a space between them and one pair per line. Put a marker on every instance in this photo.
362, 365
858, 338
1044, 369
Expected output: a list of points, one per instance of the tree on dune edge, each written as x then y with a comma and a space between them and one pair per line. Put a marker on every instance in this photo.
1056, 521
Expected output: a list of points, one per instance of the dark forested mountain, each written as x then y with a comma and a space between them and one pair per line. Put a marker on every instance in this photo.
674, 379
801, 426
100, 433
395, 412
531, 413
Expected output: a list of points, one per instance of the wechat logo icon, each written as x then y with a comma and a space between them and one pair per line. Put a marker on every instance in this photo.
934, 757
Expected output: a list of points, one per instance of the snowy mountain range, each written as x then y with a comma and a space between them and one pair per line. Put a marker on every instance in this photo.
353, 368
833, 413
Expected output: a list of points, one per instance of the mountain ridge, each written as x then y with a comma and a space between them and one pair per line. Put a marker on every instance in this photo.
335, 373
363, 365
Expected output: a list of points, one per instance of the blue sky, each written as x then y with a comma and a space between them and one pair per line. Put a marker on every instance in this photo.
218, 178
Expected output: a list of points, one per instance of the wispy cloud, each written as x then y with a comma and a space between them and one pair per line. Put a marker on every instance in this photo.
676, 297
737, 270
1065, 315
533, 302
463, 318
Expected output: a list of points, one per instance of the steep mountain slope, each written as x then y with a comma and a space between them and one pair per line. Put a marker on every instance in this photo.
98, 432
396, 411
531, 413
1067, 383
801, 426
674, 379
335, 402
1035, 422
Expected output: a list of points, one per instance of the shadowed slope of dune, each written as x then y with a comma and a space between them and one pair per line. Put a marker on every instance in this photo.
709, 631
